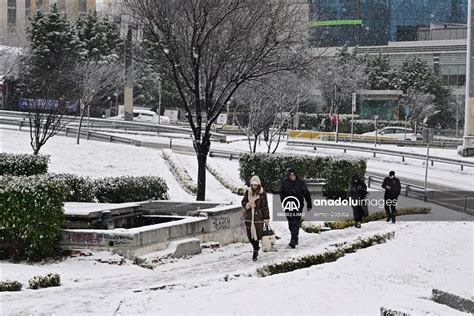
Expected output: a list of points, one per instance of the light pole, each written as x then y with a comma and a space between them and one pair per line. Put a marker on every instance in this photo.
468, 140
354, 96
159, 99
376, 117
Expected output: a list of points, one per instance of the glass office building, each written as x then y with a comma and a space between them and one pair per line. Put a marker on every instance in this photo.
376, 22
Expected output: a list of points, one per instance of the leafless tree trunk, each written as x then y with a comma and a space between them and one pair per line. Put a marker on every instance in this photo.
96, 79
212, 47
270, 105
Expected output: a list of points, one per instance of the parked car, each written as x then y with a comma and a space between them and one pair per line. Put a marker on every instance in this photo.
144, 116
395, 132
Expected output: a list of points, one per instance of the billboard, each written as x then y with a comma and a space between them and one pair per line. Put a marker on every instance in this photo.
48, 105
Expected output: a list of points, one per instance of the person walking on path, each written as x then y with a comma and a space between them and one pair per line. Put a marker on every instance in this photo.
392, 187
357, 192
256, 213
293, 187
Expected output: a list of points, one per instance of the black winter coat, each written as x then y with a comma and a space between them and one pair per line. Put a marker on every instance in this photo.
298, 189
392, 188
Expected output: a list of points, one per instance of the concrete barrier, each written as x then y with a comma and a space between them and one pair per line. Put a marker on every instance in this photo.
217, 223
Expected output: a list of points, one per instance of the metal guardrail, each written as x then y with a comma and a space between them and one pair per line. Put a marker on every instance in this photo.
388, 152
72, 131
224, 154
457, 202
115, 124
406, 187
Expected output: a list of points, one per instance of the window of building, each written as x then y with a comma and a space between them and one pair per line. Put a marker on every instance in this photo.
39, 5
82, 6
27, 7
62, 6
453, 75
11, 17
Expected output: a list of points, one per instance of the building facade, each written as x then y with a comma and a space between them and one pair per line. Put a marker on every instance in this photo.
378, 22
14, 14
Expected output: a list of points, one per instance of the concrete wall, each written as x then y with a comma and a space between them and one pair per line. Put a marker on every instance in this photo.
222, 224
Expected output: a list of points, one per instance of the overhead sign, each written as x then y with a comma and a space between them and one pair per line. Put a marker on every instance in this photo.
336, 23
222, 119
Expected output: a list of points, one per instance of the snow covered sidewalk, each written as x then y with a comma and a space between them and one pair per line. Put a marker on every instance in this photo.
399, 274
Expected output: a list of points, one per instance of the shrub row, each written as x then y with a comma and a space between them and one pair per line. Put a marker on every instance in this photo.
227, 183
184, 179
272, 169
130, 189
51, 279
328, 256
10, 286
31, 208
31, 215
376, 216
114, 189
23, 164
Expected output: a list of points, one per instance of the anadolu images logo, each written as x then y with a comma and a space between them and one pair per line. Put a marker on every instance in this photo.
290, 204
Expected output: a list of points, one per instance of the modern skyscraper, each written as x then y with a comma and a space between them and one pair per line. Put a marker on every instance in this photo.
377, 22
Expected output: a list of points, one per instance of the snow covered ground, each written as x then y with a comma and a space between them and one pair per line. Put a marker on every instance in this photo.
398, 275
411, 169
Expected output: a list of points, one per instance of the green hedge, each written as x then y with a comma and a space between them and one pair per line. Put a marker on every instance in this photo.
113, 189
23, 164
79, 189
272, 168
51, 279
10, 286
31, 216
376, 216
130, 189
341, 250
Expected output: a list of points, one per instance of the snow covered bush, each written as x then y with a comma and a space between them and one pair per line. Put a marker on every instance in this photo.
79, 189
338, 172
331, 255
31, 215
23, 164
51, 279
272, 169
10, 286
179, 172
376, 216
225, 181
130, 189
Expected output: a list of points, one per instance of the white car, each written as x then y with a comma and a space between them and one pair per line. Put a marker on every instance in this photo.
394, 132
144, 116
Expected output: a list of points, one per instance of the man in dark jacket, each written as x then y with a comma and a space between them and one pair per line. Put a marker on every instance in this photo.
392, 191
358, 193
293, 194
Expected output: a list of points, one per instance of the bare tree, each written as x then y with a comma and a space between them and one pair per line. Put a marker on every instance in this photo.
212, 47
269, 107
422, 105
9, 57
46, 111
339, 77
95, 80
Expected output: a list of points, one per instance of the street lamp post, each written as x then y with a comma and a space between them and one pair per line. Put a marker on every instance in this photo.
376, 117
159, 99
468, 140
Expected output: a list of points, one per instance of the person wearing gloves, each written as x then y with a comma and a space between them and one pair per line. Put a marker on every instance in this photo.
256, 213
